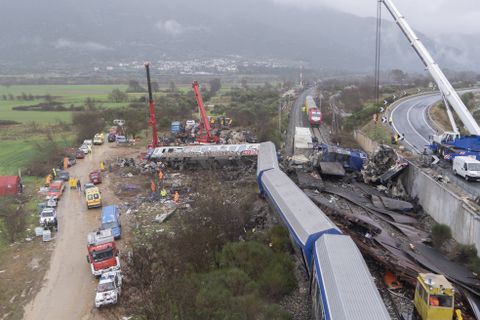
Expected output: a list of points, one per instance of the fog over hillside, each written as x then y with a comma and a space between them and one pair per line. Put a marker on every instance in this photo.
43, 33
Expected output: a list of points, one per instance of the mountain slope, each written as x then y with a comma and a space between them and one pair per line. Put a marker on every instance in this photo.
72, 32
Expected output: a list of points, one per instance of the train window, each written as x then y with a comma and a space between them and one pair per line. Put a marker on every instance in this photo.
317, 306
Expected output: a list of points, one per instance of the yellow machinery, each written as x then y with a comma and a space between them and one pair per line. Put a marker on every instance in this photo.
72, 183
434, 297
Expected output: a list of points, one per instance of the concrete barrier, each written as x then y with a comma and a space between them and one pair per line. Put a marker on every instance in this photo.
443, 205
367, 144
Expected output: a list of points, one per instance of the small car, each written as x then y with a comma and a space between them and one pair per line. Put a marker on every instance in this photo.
72, 161
84, 148
56, 189
79, 154
88, 142
111, 137
109, 288
51, 202
48, 218
95, 177
63, 175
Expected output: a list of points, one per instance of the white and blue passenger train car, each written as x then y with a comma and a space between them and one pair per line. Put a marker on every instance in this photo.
342, 287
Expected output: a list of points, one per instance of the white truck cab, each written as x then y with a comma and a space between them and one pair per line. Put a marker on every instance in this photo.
446, 136
467, 167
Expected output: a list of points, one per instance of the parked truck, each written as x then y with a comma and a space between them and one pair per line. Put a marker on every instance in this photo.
450, 145
102, 252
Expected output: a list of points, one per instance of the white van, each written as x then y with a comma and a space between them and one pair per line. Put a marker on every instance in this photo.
467, 167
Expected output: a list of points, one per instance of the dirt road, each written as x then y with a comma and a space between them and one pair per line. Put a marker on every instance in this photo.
69, 288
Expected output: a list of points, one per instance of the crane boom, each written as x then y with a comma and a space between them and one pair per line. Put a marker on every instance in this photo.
152, 121
208, 138
443, 84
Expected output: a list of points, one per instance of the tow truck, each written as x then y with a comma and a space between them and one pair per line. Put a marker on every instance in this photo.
102, 252
109, 289
447, 144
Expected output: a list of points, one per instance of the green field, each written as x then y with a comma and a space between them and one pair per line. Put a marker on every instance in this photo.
14, 155
67, 94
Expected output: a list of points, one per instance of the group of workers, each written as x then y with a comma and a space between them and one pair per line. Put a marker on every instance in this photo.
163, 192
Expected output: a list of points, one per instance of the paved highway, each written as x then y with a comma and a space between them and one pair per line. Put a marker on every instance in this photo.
410, 117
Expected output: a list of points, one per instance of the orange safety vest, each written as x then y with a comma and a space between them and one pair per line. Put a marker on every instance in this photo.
176, 197
160, 175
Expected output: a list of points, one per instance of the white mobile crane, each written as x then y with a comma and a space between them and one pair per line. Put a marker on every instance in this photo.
449, 143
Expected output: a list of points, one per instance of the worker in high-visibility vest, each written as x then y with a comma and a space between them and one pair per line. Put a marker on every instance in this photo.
163, 193
160, 175
54, 173
102, 166
65, 163
48, 179
176, 197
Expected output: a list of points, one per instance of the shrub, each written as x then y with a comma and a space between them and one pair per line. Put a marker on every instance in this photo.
279, 238
474, 265
13, 218
273, 271
440, 234
464, 253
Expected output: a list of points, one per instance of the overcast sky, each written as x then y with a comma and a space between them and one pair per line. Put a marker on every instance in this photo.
428, 16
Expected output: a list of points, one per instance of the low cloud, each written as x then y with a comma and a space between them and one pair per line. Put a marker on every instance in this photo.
432, 17
88, 45
174, 28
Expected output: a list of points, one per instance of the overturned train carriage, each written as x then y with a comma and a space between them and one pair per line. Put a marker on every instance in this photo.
341, 284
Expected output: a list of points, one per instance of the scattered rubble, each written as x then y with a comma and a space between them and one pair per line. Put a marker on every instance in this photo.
383, 166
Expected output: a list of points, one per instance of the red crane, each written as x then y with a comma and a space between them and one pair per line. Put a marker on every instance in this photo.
205, 134
152, 120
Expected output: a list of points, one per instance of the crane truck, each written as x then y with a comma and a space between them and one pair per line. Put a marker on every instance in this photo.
205, 134
151, 104
448, 144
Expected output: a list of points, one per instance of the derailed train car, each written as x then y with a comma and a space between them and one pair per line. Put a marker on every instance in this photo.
341, 284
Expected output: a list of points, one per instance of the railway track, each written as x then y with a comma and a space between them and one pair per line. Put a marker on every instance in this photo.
318, 135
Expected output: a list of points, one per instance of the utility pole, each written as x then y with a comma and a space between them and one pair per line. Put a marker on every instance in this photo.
280, 117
